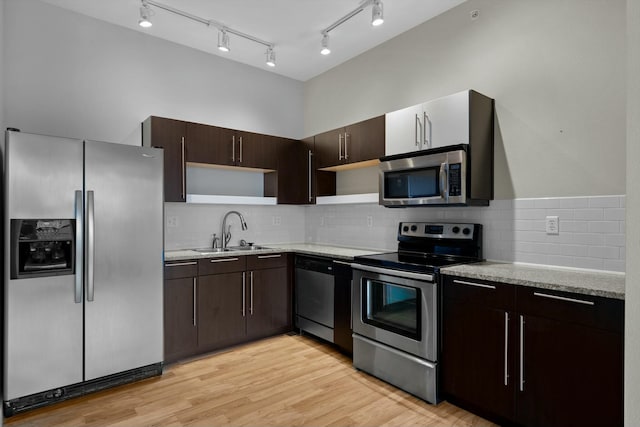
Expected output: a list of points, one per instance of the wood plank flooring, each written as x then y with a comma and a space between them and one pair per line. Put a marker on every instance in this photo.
287, 380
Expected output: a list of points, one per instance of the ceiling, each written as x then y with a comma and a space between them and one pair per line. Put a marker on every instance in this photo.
293, 26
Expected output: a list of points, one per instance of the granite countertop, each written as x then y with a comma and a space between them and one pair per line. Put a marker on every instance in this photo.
335, 252
587, 282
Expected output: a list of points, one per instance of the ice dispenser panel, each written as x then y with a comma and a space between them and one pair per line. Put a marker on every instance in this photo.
42, 247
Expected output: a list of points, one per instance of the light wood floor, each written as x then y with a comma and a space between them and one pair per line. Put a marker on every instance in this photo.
282, 381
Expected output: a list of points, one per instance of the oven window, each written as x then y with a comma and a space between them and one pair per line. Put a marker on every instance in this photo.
392, 307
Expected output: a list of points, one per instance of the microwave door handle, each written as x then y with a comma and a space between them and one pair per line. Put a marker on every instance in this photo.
444, 186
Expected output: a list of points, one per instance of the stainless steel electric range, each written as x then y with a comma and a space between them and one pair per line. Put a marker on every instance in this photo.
396, 303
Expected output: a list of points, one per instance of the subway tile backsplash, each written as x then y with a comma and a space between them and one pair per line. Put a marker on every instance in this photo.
591, 229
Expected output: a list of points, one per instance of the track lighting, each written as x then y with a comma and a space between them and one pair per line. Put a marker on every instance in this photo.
377, 17
223, 41
223, 31
145, 15
271, 57
325, 45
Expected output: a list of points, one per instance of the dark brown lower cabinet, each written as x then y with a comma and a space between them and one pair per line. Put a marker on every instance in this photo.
269, 303
180, 330
342, 307
220, 310
532, 357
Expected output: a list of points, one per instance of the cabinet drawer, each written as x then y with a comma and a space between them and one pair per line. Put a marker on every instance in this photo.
588, 310
479, 292
180, 269
218, 265
257, 262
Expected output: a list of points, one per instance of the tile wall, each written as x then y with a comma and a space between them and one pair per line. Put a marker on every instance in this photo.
591, 229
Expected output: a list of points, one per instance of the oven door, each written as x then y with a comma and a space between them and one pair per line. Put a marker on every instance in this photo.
396, 308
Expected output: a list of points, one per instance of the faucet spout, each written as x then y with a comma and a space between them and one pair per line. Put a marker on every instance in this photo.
226, 232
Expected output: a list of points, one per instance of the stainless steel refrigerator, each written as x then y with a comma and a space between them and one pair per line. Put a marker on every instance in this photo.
83, 267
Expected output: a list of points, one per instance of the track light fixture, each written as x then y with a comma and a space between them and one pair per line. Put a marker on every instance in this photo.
325, 45
223, 41
145, 15
377, 18
271, 57
223, 30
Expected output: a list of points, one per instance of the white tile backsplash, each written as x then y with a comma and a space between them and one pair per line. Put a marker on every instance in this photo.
591, 228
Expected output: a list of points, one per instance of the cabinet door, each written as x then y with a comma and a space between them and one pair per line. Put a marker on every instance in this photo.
364, 140
404, 130
230, 146
269, 302
329, 148
170, 134
221, 310
251, 151
180, 330
477, 362
447, 120
205, 145
294, 173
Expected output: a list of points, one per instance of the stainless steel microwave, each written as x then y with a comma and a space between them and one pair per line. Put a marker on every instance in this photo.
436, 177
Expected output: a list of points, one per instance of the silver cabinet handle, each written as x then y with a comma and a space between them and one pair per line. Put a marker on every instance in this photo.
418, 131
214, 260
251, 293
184, 170
233, 148
310, 166
479, 285
240, 161
195, 305
347, 137
79, 262
427, 141
244, 294
178, 264
578, 301
269, 256
506, 348
90, 246
521, 353
340, 146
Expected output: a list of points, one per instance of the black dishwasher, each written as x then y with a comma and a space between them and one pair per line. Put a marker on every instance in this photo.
314, 302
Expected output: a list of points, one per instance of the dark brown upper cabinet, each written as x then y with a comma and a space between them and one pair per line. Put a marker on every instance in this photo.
359, 142
169, 135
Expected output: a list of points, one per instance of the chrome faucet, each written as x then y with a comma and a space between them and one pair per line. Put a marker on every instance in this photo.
226, 232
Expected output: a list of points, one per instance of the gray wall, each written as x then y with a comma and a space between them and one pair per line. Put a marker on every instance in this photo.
632, 319
555, 67
74, 76
2, 38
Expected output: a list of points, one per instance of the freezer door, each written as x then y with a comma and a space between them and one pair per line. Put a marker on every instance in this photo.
43, 323
124, 258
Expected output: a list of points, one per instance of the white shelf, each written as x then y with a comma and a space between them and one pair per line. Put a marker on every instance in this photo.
230, 200
348, 199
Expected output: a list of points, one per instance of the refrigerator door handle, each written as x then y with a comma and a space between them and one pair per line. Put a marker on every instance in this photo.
79, 262
90, 245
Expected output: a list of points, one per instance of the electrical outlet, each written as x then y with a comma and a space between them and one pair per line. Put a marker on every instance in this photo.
553, 225
276, 220
172, 221
369, 221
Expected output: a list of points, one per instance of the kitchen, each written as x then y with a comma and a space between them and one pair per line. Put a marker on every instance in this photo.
549, 106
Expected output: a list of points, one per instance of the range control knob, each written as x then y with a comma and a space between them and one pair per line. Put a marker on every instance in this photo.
405, 228
466, 231
414, 228
456, 229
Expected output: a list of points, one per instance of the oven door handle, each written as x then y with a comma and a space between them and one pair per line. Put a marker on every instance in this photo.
405, 274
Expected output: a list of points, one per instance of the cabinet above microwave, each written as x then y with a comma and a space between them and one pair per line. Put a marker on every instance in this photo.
462, 118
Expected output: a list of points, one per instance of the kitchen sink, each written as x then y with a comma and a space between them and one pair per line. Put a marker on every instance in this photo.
245, 248
209, 251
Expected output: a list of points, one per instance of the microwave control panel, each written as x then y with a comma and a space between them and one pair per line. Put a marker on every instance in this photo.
455, 179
